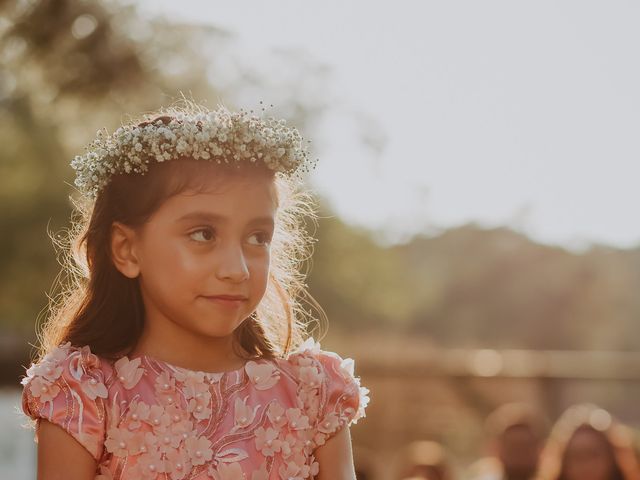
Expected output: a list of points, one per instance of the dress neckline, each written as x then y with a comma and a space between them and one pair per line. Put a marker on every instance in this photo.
170, 366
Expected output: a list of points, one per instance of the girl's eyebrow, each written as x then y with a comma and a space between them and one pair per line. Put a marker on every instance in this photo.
216, 218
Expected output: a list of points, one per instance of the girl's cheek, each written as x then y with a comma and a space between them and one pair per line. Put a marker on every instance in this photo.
173, 266
261, 263
184, 260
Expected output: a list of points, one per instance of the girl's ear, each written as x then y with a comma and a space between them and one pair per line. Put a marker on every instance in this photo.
123, 251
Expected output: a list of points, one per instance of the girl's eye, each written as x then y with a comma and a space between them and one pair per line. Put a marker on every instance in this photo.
206, 235
263, 238
203, 235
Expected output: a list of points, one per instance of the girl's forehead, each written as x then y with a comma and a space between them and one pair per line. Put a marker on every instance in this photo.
197, 175
239, 199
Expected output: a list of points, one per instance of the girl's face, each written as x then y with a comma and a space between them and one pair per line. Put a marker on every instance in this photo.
199, 245
588, 457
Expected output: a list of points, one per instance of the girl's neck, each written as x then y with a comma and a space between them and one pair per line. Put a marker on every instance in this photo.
211, 354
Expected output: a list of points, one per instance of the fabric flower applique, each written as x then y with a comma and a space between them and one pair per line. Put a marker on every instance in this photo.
347, 367
58, 354
49, 369
176, 414
129, 371
310, 376
329, 423
363, 393
289, 445
138, 412
149, 465
263, 376
267, 441
199, 407
297, 469
169, 441
310, 439
313, 469
94, 388
199, 449
244, 414
88, 359
158, 418
309, 345
192, 384
309, 402
142, 442
276, 415
180, 423
165, 387
119, 441
82, 360
297, 420
177, 464
358, 395
43, 389
171, 436
197, 393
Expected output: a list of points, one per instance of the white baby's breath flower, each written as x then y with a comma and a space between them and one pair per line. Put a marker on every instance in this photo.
219, 135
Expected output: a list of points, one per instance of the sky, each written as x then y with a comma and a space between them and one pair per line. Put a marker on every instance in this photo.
440, 113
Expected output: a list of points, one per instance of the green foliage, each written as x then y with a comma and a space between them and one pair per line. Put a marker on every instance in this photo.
471, 287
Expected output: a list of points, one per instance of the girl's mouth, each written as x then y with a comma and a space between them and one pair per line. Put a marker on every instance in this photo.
232, 301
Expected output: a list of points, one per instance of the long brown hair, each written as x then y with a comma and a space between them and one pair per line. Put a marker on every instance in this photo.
99, 307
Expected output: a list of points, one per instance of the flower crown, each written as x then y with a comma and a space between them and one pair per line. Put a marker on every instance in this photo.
219, 136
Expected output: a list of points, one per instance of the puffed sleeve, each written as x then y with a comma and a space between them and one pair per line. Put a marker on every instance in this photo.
67, 388
341, 398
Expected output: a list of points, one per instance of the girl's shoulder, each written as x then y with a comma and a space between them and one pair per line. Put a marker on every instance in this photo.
324, 371
68, 387
67, 363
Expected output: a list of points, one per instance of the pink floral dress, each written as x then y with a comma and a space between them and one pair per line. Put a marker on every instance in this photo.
142, 418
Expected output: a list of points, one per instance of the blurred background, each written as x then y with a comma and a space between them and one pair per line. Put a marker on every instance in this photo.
479, 246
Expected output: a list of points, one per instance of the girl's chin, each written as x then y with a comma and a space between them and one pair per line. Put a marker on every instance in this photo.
217, 331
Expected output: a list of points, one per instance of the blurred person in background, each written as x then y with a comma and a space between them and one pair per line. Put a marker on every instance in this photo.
424, 460
586, 443
516, 434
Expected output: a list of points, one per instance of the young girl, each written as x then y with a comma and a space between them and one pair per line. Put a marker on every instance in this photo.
178, 352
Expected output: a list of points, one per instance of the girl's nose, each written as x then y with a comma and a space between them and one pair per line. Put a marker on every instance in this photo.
232, 265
